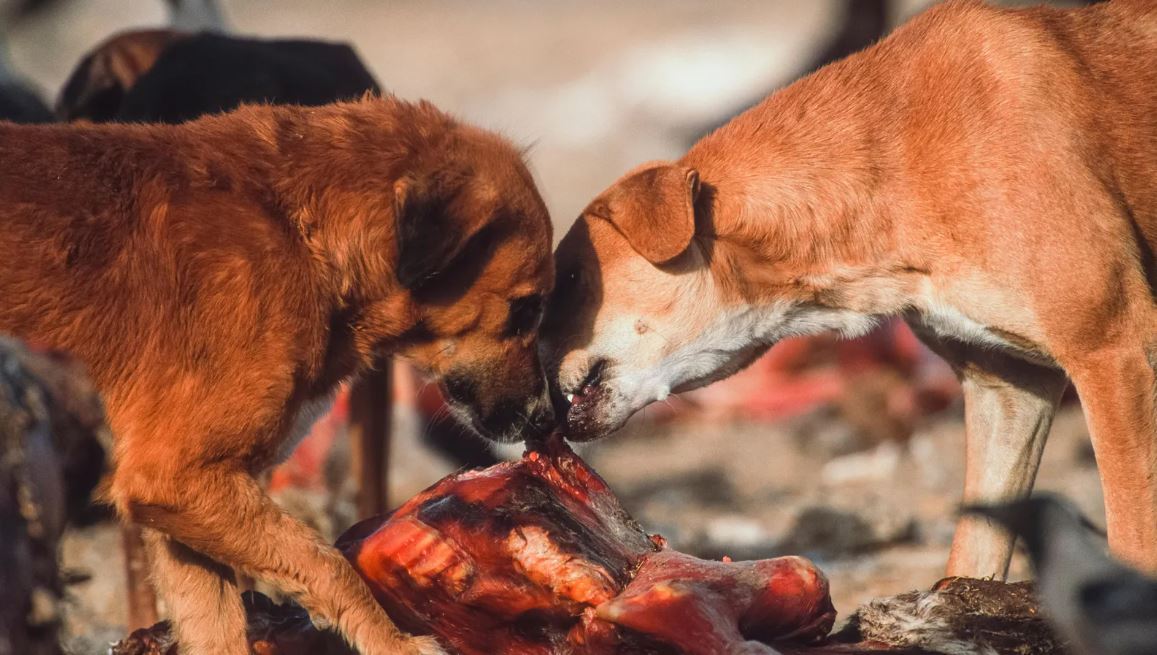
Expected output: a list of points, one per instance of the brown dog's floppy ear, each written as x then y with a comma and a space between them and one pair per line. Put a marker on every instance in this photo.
428, 237
655, 210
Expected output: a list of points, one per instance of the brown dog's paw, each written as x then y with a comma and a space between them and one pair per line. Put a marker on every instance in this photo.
423, 646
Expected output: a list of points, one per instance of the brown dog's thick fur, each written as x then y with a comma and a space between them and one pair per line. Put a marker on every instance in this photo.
220, 278
989, 174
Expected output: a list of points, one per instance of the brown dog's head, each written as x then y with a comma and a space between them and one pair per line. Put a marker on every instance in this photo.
473, 254
640, 308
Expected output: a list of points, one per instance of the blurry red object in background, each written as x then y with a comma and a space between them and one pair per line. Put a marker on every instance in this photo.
887, 376
798, 376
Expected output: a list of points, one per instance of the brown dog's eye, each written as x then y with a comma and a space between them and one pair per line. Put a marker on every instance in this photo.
525, 315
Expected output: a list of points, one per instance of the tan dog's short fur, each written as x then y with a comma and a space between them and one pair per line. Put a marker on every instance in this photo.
989, 174
221, 277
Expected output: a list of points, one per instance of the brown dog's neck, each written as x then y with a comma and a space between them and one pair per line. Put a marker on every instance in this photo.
798, 199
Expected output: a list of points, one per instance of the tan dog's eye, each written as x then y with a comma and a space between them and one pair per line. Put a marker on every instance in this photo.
525, 315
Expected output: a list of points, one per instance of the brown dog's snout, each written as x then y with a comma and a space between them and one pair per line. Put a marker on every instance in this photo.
543, 421
519, 420
512, 416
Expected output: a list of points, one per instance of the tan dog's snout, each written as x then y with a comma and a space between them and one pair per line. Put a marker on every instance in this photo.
580, 386
627, 281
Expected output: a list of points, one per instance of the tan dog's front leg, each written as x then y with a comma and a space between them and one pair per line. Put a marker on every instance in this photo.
1008, 409
224, 514
1118, 390
1007, 426
202, 597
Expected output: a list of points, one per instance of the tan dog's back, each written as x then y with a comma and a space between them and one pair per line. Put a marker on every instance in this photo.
1057, 107
1035, 87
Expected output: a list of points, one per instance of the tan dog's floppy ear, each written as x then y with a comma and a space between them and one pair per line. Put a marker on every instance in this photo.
655, 210
428, 236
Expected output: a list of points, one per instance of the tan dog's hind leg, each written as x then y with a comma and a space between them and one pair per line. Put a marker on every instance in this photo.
230, 519
1118, 389
202, 597
1009, 407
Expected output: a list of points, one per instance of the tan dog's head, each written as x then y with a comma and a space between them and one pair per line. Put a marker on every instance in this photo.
637, 312
473, 252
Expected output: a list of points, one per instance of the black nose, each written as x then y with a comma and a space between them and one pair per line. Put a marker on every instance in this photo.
541, 422
504, 416
509, 419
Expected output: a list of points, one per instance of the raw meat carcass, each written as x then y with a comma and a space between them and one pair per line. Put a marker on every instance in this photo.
537, 557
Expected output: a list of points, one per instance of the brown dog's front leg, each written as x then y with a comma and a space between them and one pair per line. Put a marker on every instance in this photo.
223, 514
202, 597
1118, 389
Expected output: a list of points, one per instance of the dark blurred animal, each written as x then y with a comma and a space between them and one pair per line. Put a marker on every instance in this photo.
52, 450
1101, 606
984, 173
169, 76
220, 278
19, 103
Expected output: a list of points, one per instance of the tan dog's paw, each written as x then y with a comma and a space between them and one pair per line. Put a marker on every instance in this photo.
422, 646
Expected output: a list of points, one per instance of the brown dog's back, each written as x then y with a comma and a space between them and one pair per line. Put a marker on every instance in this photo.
159, 258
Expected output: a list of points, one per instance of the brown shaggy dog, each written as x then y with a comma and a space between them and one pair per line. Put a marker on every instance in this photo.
221, 277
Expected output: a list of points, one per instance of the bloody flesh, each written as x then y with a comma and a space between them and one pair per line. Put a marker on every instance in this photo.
538, 557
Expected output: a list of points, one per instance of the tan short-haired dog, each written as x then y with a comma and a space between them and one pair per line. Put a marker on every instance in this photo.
220, 278
989, 174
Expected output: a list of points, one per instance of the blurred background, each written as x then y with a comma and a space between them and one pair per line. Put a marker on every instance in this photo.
850, 453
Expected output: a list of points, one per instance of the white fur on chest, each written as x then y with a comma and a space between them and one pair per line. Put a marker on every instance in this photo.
732, 340
948, 322
308, 414
781, 320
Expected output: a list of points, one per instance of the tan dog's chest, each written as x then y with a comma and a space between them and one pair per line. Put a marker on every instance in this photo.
984, 317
